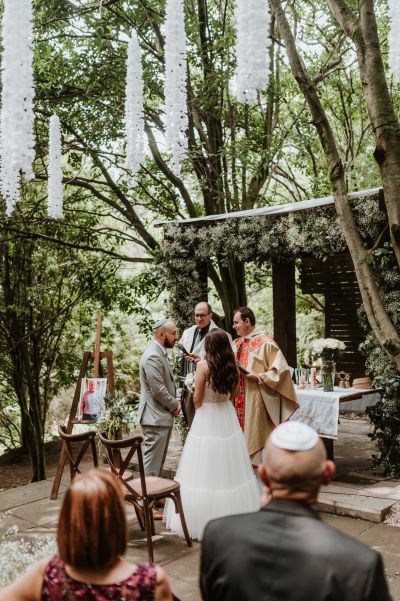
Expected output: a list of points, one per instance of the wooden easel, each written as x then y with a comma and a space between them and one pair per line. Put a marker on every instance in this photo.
97, 373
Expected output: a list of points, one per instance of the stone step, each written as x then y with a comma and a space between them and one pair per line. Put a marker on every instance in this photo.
353, 502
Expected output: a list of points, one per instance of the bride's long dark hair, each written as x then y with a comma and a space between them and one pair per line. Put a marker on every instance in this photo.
221, 362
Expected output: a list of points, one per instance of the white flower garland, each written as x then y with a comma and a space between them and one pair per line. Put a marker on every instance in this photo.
394, 37
17, 141
55, 189
253, 19
134, 117
175, 83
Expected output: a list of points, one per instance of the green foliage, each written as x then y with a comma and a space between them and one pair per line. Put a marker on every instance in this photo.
386, 419
385, 415
119, 417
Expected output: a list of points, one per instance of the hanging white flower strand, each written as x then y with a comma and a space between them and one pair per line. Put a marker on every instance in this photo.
175, 83
17, 143
54, 188
134, 118
394, 37
253, 19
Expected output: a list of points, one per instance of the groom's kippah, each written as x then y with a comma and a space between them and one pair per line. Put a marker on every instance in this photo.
159, 323
294, 436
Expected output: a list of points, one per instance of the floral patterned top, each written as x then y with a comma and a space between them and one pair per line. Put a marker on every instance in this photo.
58, 586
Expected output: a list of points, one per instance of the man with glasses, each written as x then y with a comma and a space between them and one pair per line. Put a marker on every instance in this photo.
193, 341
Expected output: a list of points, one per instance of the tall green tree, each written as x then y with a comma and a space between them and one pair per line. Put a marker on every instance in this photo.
47, 280
360, 25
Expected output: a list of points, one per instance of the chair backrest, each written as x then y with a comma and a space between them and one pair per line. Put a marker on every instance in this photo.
87, 438
119, 466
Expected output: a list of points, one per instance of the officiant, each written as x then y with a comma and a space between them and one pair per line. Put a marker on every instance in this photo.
193, 341
266, 393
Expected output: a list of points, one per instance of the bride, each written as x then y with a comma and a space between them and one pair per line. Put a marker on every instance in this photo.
214, 471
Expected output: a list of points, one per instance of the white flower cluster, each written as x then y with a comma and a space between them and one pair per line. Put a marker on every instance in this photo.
394, 37
253, 40
134, 117
320, 344
17, 555
176, 117
54, 187
189, 381
17, 141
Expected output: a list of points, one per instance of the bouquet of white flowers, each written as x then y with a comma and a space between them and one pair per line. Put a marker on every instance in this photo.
189, 381
328, 348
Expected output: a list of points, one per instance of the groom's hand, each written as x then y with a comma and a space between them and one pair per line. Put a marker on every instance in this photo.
177, 410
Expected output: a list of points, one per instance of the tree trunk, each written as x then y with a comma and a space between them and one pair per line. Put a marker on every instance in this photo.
233, 288
384, 121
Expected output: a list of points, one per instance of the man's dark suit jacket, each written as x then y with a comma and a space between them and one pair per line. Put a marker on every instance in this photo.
284, 552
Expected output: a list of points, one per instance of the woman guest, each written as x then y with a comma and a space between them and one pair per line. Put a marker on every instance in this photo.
215, 472
91, 539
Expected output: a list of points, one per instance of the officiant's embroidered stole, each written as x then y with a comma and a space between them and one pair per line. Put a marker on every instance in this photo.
243, 347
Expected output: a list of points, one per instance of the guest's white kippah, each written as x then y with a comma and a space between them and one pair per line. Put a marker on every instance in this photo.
294, 436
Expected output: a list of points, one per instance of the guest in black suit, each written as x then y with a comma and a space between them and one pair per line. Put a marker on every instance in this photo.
284, 552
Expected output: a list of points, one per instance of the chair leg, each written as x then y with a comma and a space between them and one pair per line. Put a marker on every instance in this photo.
147, 522
182, 516
139, 518
153, 528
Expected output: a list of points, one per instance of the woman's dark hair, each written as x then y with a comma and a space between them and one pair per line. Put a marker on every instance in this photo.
221, 362
92, 530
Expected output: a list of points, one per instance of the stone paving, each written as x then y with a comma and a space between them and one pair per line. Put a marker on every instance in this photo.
31, 511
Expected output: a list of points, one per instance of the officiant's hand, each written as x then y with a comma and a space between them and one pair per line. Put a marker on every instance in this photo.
193, 357
252, 377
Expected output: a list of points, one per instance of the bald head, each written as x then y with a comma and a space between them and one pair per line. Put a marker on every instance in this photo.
296, 474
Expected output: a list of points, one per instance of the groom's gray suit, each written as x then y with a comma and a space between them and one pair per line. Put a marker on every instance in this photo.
157, 402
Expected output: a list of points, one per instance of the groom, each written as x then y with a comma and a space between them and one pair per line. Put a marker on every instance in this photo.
158, 404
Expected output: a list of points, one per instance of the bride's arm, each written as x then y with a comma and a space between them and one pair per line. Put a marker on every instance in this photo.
199, 383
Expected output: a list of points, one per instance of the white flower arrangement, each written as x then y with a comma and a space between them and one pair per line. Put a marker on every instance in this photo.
17, 141
394, 37
54, 187
189, 381
327, 347
17, 554
253, 40
134, 114
176, 118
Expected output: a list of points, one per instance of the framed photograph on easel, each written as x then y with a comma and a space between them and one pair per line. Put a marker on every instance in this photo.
88, 403
91, 401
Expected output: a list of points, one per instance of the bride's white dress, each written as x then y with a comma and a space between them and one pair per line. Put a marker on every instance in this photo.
215, 471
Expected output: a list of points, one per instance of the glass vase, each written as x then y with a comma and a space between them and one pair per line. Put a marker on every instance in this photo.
328, 373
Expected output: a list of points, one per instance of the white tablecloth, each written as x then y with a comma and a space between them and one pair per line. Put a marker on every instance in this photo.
320, 409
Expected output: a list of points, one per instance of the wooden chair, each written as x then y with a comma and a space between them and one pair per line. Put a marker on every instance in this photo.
85, 439
144, 491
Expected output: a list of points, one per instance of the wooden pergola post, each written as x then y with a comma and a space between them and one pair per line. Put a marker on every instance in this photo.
284, 307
